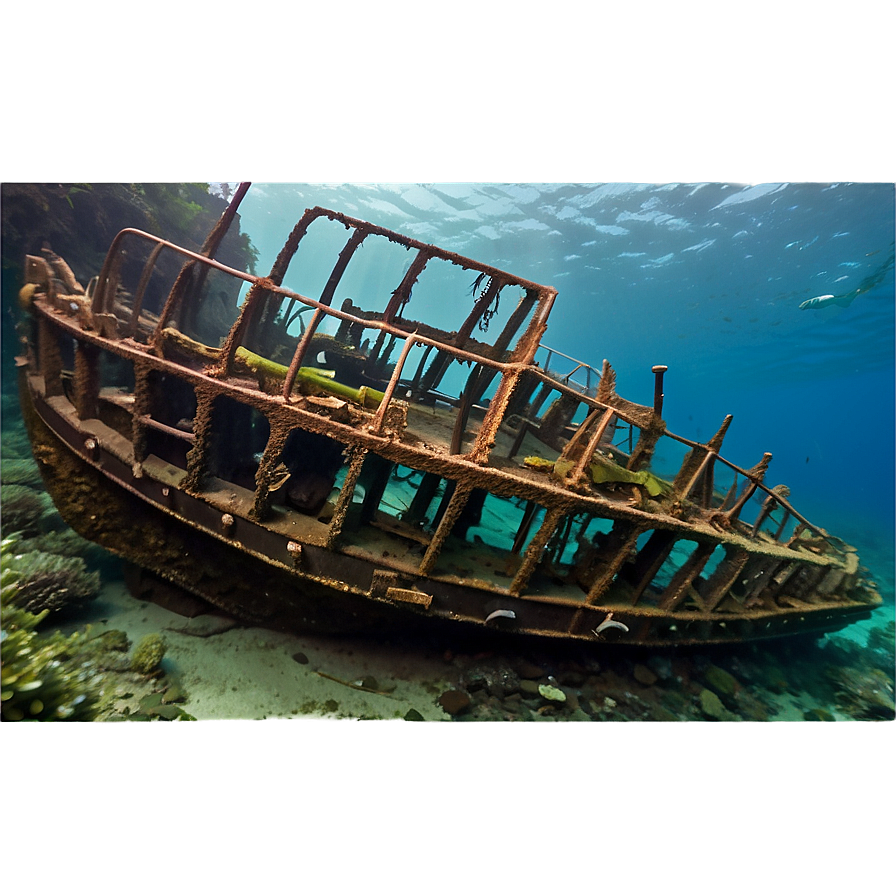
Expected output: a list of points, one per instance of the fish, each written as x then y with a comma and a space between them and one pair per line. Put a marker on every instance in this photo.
824, 301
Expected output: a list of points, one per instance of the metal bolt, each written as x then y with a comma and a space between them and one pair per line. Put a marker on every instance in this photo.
295, 550
227, 522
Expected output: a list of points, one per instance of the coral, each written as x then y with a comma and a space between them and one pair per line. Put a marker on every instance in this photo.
148, 654
22, 508
64, 542
20, 471
50, 582
39, 679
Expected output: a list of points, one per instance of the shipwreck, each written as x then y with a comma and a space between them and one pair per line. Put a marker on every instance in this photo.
322, 459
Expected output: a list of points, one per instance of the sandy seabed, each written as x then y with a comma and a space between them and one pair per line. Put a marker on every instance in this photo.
244, 672
229, 670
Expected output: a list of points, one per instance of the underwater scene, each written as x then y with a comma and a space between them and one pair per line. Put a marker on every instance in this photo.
373, 461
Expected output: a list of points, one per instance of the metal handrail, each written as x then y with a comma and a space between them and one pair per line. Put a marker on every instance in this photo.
102, 303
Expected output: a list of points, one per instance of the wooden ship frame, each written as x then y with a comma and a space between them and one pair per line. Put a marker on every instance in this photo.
302, 465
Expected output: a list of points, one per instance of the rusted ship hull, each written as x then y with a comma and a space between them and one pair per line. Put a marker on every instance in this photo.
254, 577
371, 496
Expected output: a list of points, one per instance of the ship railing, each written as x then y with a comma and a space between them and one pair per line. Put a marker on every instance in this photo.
520, 361
582, 376
499, 362
695, 475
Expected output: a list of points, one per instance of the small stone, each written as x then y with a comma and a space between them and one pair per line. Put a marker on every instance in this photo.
722, 682
300, 658
454, 702
644, 675
413, 716
712, 705
370, 682
549, 692
150, 701
174, 694
529, 688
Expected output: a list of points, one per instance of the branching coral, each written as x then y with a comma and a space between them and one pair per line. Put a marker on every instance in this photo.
64, 542
21, 509
48, 581
38, 680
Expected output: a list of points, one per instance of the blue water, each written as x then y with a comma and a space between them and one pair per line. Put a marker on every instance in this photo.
707, 279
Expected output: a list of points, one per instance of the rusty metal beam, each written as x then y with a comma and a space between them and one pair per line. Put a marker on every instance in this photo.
680, 585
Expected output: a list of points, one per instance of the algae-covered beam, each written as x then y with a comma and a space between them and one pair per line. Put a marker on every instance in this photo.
309, 378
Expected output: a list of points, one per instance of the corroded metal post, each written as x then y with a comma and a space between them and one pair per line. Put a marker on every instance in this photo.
756, 475
658, 371
326, 298
185, 279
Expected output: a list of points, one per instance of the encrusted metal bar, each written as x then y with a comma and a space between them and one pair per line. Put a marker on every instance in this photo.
485, 438
403, 293
708, 458
198, 456
681, 584
518, 439
460, 421
577, 475
767, 568
622, 540
519, 314
522, 532
782, 526
535, 550
726, 574
452, 512
137, 305
190, 276
50, 357
807, 578
141, 411
86, 383
779, 579
265, 475
326, 298
254, 298
442, 361
755, 477
357, 456
377, 424
570, 448
649, 560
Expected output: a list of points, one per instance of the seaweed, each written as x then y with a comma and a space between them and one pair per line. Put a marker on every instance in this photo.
41, 679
